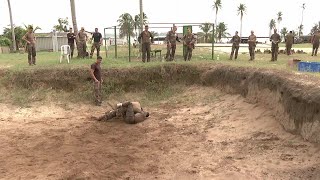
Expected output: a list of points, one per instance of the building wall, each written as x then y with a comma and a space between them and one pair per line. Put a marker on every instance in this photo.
45, 43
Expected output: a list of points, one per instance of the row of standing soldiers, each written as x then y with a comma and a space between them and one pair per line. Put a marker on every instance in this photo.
275, 39
146, 38
82, 42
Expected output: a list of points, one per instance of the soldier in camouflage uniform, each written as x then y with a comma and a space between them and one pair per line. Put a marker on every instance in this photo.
315, 43
252, 40
144, 40
289, 41
235, 46
82, 46
188, 41
171, 39
131, 112
275, 39
97, 41
30, 38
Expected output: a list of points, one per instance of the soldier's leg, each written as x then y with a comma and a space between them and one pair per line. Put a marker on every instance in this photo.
80, 49
96, 92
253, 53
316, 50
29, 48
93, 47
71, 50
144, 51
108, 115
232, 52
272, 51
148, 52
34, 54
168, 53
84, 49
190, 53
276, 51
173, 51
185, 53
236, 53
98, 49
129, 118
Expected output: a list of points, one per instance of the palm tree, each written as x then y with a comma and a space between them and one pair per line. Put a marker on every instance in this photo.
206, 27
303, 8
279, 18
126, 24
137, 23
154, 34
272, 25
31, 26
300, 29
221, 31
315, 28
216, 6
12, 28
283, 32
62, 26
242, 9
74, 18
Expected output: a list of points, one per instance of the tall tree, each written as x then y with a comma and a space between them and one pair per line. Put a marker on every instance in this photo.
62, 26
19, 33
74, 17
216, 6
272, 25
279, 18
12, 28
242, 9
315, 28
126, 24
221, 31
283, 32
206, 27
300, 29
154, 34
137, 23
301, 25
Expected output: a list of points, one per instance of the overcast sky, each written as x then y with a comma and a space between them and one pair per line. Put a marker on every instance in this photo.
104, 13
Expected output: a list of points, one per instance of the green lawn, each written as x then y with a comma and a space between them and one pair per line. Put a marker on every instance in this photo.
17, 61
297, 46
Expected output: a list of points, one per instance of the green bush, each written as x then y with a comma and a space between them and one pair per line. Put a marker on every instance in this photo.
5, 41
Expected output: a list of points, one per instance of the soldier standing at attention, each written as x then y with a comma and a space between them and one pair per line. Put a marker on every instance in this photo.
189, 41
315, 43
95, 73
289, 41
97, 41
275, 39
235, 46
252, 40
71, 37
82, 43
171, 39
144, 40
31, 46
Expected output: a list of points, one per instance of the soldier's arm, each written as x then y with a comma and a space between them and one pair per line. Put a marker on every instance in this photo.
139, 38
151, 36
167, 38
101, 39
25, 38
92, 75
177, 39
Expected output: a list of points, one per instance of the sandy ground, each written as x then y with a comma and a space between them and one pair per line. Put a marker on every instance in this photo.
202, 134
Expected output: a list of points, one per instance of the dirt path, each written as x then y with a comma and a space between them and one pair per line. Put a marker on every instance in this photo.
202, 134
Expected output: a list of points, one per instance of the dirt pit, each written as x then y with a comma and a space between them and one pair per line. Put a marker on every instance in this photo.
199, 134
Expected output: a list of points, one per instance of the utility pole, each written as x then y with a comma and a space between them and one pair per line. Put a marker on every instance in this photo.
303, 7
12, 29
141, 16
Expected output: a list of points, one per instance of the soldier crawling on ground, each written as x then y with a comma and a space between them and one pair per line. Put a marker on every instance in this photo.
131, 112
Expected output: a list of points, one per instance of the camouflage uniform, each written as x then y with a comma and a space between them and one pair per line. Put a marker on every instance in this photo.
31, 47
275, 39
252, 45
289, 42
71, 37
96, 43
171, 39
315, 44
82, 46
144, 40
235, 46
131, 112
189, 41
